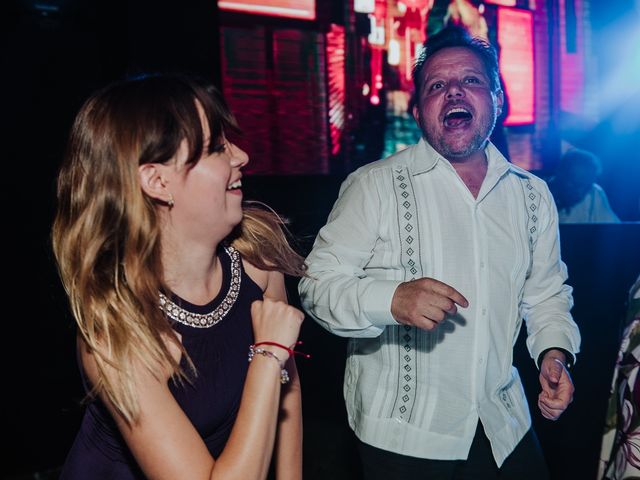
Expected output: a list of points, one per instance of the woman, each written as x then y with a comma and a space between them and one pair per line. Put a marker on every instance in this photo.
171, 285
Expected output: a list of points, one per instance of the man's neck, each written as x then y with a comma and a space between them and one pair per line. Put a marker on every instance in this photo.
472, 170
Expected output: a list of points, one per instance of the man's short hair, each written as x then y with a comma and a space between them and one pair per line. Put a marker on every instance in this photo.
455, 36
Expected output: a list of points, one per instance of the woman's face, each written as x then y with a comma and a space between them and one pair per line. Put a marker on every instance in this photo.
207, 195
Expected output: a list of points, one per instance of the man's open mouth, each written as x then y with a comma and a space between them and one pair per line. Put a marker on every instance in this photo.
457, 117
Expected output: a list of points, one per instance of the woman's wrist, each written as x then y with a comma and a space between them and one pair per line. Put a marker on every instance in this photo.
255, 350
283, 348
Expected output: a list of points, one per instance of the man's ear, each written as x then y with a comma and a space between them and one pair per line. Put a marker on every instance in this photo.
153, 182
416, 114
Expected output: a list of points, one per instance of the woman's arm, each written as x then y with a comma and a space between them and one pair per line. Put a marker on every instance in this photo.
165, 443
289, 437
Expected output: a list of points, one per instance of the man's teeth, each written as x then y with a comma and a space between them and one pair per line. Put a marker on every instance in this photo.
236, 184
457, 110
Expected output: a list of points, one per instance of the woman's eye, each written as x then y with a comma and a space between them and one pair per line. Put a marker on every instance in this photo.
219, 148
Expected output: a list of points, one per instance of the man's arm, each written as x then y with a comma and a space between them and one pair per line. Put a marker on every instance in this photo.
336, 290
545, 306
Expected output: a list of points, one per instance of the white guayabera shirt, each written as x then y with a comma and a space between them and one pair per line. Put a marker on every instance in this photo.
416, 392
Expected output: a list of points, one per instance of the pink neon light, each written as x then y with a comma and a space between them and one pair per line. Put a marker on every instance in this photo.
304, 9
515, 36
376, 73
336, 77
572, 71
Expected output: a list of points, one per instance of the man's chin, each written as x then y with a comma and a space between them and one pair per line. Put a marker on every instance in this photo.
461, 150
453, 153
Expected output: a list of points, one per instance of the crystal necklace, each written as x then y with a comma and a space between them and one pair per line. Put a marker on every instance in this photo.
206, 320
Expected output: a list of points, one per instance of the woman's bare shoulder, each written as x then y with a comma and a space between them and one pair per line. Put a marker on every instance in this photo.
271, 282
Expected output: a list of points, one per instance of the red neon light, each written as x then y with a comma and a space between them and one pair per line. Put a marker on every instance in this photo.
335, 73
376, 73
515, 36
304, 9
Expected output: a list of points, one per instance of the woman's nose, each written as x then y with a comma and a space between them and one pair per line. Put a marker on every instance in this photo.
239, 157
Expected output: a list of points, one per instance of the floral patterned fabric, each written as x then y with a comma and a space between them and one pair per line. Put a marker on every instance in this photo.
620, 454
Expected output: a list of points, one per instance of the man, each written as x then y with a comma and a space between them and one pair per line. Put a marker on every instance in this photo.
578, 197
429, 261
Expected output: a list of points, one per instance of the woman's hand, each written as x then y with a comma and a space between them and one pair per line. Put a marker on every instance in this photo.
278, 322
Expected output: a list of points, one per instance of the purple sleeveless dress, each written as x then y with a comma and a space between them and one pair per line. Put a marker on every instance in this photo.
217, 337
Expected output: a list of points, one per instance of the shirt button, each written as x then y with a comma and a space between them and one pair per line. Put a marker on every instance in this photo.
484, 311
481, 264
481, 360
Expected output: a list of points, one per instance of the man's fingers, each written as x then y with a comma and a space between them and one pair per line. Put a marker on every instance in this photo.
553, 371
425, 302
426, 323
444, 304
551, 409
434, 314
556, 369
546, 413
450, 292
554, 404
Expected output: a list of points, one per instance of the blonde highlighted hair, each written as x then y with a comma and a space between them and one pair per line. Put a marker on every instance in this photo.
106, 233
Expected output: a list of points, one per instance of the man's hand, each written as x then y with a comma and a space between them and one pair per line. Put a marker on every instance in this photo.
557, 387
425, 302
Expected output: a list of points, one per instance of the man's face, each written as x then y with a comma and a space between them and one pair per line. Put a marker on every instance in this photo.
457, 108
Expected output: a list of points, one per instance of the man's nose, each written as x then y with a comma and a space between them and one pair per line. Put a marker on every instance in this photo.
454, 89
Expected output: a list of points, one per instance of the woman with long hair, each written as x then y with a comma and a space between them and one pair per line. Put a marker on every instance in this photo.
173, 285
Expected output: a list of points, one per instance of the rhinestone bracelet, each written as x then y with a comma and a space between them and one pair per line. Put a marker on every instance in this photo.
253, 351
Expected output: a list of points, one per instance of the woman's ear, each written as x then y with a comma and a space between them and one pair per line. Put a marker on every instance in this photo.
153, 182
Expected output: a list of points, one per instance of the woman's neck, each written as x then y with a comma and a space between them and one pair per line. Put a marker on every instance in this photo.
191, 270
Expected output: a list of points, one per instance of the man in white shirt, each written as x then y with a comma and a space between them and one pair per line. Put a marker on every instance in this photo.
429, 261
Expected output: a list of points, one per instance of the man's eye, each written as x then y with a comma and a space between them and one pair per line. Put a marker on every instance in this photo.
436, 86
472, 80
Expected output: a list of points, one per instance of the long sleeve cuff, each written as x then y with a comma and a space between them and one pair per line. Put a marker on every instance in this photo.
377, 301
558, 340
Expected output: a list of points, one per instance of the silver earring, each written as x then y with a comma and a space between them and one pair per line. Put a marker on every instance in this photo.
170, 202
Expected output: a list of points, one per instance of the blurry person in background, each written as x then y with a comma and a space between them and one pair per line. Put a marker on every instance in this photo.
577, 195
173, 284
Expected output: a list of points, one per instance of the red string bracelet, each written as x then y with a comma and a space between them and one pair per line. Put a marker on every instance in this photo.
289, 350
